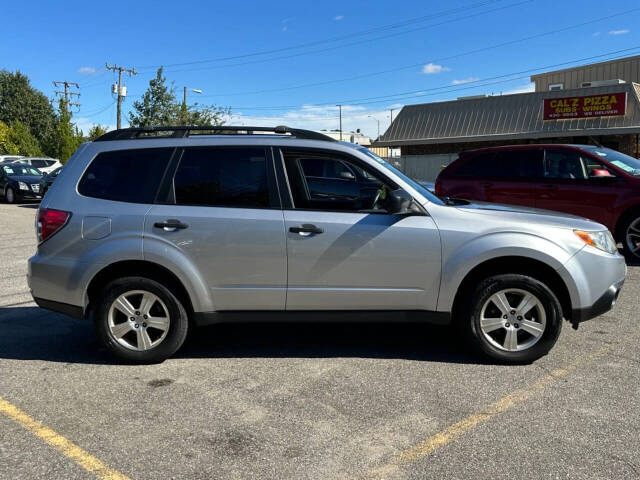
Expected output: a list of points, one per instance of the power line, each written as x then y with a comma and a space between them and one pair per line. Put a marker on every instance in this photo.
121, 93
67, 93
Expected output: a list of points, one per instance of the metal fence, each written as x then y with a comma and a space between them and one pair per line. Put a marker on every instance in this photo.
422, 167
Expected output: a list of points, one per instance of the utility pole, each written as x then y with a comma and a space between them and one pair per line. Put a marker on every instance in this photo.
371, 116
391, 110
121, 93
340, 110
68, 94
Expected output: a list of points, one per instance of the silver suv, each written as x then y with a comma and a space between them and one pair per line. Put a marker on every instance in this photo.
152, 231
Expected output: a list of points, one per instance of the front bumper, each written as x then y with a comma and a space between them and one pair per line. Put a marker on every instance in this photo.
600, 306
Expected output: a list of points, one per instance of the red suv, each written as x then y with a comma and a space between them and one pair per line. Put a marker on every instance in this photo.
593, 182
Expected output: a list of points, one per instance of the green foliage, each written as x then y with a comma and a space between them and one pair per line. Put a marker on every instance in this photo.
95, 132
20, 102
66, 138
159, 107
19, 141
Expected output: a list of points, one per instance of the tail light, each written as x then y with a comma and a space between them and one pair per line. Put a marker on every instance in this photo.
50, 221
438, 189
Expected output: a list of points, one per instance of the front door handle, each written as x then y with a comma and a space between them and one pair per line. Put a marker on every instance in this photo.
170, 225
306, 229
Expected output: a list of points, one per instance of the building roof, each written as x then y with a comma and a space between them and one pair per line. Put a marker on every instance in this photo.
506, 117
591, 66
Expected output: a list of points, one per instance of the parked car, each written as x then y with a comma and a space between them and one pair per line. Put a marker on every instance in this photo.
19, 182
47, 180
594, 182
153, 230
9, 158
45, 165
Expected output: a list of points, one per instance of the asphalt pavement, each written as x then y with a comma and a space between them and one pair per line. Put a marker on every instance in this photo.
289, 401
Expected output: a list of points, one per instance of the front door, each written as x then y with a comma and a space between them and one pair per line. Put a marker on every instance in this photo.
351, 255
223, 214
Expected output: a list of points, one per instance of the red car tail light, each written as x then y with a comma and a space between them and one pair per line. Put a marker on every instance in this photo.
50, 221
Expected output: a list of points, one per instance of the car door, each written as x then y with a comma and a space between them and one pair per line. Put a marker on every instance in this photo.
344, 257
222, 212
567, 187
512, 177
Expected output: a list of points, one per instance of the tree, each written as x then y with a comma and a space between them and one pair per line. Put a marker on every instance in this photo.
20, 102
66, 138
18, 140
158, 105
95, 132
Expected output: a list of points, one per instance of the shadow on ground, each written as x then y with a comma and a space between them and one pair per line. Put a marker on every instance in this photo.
30, 205
31, 333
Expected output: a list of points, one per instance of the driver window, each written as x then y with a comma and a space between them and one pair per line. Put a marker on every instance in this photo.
564, 165
319, 182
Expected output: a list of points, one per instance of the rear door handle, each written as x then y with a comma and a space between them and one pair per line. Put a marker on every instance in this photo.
170, 224
306, 228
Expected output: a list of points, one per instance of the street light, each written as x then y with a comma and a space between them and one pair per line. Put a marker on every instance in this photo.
184, 97
371, 116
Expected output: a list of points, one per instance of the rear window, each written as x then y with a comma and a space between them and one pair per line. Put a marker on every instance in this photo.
126, 175
222, 177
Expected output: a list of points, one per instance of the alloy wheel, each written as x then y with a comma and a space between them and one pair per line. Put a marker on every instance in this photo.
138, 320
513, 320
633, 237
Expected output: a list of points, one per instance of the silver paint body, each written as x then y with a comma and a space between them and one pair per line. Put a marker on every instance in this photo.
246, 259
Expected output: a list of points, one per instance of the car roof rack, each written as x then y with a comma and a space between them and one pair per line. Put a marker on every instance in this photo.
187, 131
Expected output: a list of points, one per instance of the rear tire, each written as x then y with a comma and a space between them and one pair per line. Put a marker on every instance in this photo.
140, 320
512, 318
631, 237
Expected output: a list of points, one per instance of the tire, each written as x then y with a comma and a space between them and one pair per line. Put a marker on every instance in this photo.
631, 237
535, 329
154, 328
10, 195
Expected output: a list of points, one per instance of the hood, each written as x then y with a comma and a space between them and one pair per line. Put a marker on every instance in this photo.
25, 178
517, 213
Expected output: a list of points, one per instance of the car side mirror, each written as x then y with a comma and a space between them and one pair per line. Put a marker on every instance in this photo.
400, 202
347, 175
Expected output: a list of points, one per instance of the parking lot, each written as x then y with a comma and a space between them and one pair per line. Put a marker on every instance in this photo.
309, 401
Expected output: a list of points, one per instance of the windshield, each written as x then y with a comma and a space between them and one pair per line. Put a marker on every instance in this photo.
415, 185
14, 170
624, 162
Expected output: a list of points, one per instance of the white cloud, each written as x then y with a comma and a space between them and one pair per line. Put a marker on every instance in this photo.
285, 24
464, 80
622, 31
337, 18
531, 87
595, 34
432, 68
88, 70
316, 117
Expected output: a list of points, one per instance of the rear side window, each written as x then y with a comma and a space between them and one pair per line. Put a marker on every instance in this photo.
476, 166
39, 163
518, 164
126, 175
222, 177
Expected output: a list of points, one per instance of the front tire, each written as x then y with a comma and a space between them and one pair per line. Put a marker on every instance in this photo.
140, 320
513, 318
10, 195
631, 237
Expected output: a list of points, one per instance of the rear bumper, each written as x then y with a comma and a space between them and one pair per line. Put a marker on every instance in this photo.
600, 306
71, 310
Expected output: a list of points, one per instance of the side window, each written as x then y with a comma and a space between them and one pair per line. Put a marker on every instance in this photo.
595, 169
476, 166
520, 163
222, 177
566, 164
126, 175
322, 183
39, 163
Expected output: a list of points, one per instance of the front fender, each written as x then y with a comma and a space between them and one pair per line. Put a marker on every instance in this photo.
460, 260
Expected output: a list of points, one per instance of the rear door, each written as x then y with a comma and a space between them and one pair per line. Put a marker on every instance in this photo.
512, 176
341, 256
222, 211
568, 187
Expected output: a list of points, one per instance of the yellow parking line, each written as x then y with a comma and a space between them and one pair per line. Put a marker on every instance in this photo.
456, 430
69, 449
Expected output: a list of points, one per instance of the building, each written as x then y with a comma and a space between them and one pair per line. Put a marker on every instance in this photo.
604, 111
353, 137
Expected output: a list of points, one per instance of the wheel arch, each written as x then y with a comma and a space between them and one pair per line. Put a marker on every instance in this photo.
626, 214
514, 265
137, 268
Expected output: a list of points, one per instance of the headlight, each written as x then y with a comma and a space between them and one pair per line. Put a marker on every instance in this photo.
600, 240
22, 186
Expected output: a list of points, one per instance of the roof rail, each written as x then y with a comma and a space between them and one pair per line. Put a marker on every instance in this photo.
187, 131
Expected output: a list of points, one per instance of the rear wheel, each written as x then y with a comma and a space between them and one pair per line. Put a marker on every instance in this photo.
513, 318
10, 195
139, 320
631, 237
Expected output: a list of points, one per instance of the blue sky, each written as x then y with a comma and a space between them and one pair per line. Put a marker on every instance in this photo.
318, 54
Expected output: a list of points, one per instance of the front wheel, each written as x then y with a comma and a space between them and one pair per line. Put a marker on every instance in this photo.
631, 237
140, 320
10, 195
513, 318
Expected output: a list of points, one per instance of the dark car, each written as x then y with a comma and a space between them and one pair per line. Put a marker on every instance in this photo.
19, 182
47, 180
592, 182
